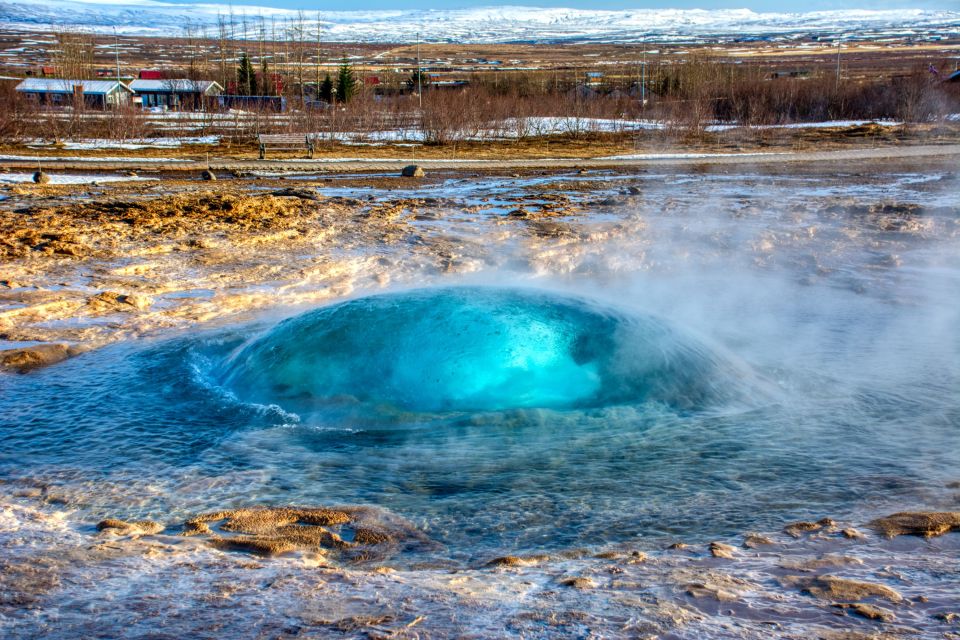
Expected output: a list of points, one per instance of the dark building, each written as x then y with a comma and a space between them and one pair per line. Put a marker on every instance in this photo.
253, 103
187, 95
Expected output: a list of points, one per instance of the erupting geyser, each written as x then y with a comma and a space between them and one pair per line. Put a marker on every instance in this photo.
476, 349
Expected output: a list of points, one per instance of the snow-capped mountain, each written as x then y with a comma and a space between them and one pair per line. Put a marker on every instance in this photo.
480, 25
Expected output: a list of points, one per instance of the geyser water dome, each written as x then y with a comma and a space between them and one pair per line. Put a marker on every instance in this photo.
476, 349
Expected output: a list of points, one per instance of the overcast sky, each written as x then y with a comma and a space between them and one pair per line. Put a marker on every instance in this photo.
756, 5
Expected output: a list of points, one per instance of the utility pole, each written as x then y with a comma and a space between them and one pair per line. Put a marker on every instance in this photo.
419, 74
318, 56
838, 63
643, 74
116, 51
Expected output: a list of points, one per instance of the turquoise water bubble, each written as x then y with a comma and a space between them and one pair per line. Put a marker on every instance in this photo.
475, 349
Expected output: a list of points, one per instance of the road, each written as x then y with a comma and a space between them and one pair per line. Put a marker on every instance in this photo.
358, 165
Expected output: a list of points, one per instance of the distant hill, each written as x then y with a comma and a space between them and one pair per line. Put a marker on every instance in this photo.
481, 25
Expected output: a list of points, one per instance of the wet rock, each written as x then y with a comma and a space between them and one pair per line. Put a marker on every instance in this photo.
412, 171
797, 529
634, 557
948, 617
357, 533
263, 520
902, 217
896, 208
110, 301
52, 242
209, 176
755, 541
263, 546
543, 229
702, 590
868, 611
518, 561
40, 177
579, 582
612, 202
918, 523
132, 529
829, 587
822, 562
852, 534
41, 355
678, 546
303, 194
720, 550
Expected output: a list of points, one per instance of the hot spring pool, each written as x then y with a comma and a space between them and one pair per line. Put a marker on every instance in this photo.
497, 420
536, 409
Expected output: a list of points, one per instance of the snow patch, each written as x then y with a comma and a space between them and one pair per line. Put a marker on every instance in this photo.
142, 160
59, 178
130, 144
674, 156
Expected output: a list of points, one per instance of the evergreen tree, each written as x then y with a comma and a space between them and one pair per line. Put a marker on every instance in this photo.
346, 83
424, 80
326, 90
267, 84
246, 77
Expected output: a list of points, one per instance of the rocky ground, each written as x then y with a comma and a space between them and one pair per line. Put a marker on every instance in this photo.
83, 265
339, 572
86, 265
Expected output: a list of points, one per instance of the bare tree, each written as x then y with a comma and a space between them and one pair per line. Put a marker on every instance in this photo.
73, 58
225, 70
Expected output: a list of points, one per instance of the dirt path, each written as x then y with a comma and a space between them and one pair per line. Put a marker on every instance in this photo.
334, 165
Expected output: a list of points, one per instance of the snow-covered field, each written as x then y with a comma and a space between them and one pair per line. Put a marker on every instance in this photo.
480, 24
828, 124
676, 156
15, 158
90, 144
515, 128
509, 129
60, 178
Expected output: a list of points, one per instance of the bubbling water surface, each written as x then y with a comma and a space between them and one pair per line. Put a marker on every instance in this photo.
476, 349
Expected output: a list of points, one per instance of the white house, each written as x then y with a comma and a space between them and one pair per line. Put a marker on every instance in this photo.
97, 94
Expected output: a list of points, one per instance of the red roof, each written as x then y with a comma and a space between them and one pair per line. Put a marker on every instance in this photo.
151, 74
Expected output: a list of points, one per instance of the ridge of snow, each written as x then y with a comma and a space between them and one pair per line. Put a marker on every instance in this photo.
482, 25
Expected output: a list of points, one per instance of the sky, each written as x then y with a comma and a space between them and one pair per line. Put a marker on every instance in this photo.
756, 5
